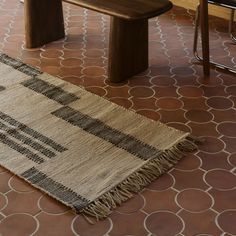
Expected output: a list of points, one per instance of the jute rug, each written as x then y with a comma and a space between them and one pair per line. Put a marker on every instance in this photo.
79, 148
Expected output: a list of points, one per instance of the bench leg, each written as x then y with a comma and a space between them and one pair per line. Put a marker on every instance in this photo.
128, 48
43, 22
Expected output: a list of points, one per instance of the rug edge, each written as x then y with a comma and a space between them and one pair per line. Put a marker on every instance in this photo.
103, 206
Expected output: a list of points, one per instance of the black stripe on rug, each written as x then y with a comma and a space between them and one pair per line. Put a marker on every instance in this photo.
19, 148
18, 65
61, 192
50, 91
101, 130
2, 88
34, 134
26, 140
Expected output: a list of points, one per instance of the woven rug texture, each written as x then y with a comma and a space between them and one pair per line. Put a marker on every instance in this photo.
77, 147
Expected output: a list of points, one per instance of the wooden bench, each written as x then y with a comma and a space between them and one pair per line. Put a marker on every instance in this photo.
128, 44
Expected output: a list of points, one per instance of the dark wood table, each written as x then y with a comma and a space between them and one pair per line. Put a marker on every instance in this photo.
205, 36
44, 25
128, 42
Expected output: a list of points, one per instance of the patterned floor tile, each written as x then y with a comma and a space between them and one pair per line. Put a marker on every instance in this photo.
197, 197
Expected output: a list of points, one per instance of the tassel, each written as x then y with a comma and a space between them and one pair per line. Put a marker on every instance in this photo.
103, 206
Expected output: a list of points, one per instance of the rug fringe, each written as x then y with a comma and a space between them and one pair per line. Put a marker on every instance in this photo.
103, 206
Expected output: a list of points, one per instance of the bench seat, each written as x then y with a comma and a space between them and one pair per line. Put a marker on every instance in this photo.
126, 9
128, 42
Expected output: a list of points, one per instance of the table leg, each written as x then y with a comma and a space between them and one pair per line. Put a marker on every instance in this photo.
205, 36
128, 48
43, 22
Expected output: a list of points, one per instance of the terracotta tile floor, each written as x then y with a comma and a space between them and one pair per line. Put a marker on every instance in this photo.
198, 196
